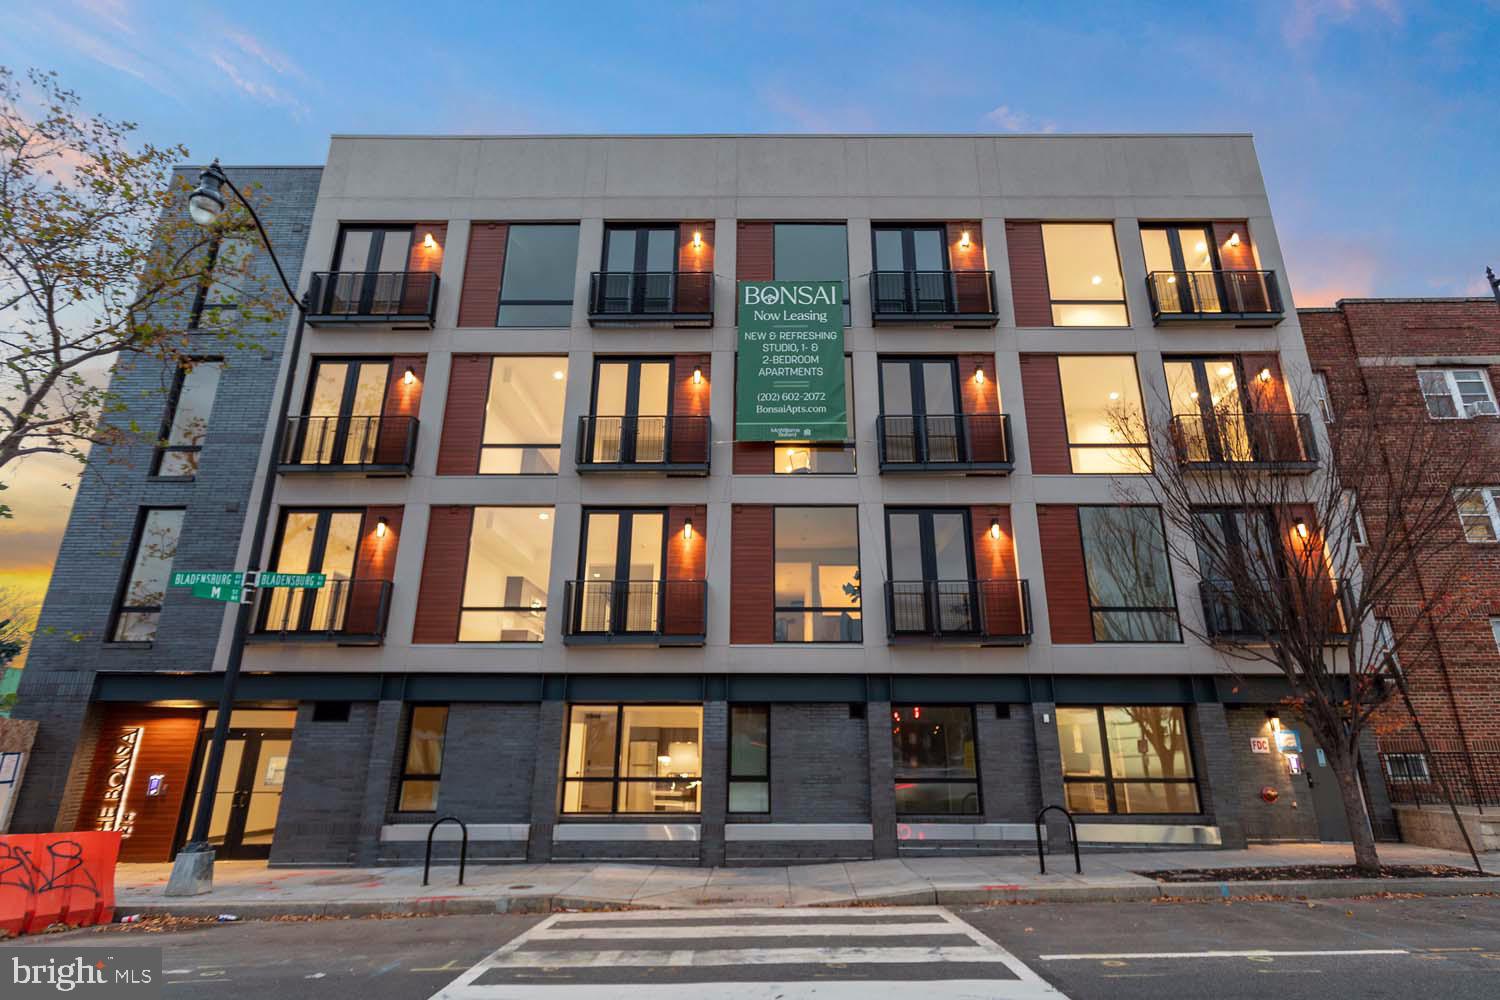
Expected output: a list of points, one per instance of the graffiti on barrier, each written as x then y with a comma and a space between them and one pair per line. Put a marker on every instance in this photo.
56, 878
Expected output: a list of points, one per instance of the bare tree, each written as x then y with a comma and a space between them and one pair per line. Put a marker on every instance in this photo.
1293, 571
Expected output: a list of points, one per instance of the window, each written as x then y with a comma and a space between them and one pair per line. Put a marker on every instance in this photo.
139, 605
1131, 759
1131, 597
813, 252
537, 287
370, 270
621, 566
1406, 767
314, 541
1322, 397
188, 410
1495, 631
423, 767
932, 584
1106, 423
1479, 513
1385, 641
629, 418
1209, 404
505, 580
341, 422
911, 265
1457, 393
633, 759
228, 271
817, 574
749, 759
1083, 274
523, 416
920, 414
1356, 519
811, 457
934, 760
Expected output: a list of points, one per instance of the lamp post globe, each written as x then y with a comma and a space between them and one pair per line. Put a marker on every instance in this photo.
207, 201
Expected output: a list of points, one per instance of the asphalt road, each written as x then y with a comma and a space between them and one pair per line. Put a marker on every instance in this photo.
1407, 948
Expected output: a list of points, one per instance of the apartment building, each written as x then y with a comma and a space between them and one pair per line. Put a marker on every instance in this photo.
572, 601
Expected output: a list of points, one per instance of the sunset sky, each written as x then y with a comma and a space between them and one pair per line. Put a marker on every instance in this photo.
1377, 121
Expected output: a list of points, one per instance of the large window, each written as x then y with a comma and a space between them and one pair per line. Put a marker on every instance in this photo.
1479, 513
139, 606
505, 582
314, 541
228, 277
1457, 393
935, 760
1131, 598
808, 251
817, 574
537, 287
422, 768
749, 759
1132, 759
523, 416
1106, 422
803, 457
633, 759
1083, 274
188, 410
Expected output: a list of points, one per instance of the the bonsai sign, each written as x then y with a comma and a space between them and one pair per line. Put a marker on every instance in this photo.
790, 384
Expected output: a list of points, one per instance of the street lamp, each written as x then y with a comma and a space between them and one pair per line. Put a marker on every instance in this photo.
1489, 272
193, 868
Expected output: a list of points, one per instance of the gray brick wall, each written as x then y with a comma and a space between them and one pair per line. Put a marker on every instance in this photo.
1291, 816
1007, 764
70, 641
819, 765
1213, 758
319, 821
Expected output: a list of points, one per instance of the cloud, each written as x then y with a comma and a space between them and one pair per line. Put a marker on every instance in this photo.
817, 115
1308, 18
252, 46
1008, 119
257, 70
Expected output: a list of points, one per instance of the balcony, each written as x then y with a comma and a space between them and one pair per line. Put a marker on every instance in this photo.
958, 443
342, 613
651, 298
368, 446
1274, 442
1225, 619
673, 446
933, 298
635, 613
960, 612
1237, 298
402, 299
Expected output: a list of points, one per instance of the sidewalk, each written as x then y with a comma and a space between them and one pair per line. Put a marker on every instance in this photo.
250, 889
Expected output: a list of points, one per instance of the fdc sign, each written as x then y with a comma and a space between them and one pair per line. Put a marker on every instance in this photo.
791, 362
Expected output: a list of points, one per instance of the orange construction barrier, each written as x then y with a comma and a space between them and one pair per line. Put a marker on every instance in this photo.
56, 878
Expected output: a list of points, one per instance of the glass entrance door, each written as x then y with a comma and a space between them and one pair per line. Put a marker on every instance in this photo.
932, 578
623, 563
371, 265
344, 402
247, 798
919, 405
1208, 409
314, 541
631, 400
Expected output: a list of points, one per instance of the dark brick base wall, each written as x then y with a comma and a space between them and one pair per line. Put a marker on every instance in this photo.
820, 771
321, 804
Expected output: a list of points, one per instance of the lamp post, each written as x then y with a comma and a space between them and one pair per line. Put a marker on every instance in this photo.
193, 868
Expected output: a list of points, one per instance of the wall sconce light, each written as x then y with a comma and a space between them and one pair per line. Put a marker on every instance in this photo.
1275, 721
1301, 527
963, 241
428, 243
979, 376
557, 376
1264, 374
687, 529
1097, 279
381, 527
697, 240
995, 528
409, 377
1171, 279
697, 376
1233, 241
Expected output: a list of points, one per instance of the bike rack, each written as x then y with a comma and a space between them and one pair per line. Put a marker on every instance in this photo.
463, 850
1040, 856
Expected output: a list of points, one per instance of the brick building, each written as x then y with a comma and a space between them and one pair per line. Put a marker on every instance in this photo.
570, 604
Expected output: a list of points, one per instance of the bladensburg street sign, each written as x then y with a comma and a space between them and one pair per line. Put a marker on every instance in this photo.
791, 362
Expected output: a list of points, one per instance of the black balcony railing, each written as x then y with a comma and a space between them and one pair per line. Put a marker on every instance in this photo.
369, 445
401, 298
639, 612
948, 442
644, 298
342, 612
986, 612
1242, 297
1275, 441
677, 445
949, 298
1226, 617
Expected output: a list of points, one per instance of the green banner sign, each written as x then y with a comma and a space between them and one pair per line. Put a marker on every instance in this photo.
305, 581
790, 383
218, 592
193, 578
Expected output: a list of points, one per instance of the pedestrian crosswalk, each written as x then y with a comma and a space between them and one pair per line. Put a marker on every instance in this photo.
751, 954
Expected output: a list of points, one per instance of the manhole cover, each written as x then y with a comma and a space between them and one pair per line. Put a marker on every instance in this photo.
521, 887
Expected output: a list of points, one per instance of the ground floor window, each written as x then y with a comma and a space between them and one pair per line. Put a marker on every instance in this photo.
750, 759
633, 759
1127, 759
935, 760
422, 768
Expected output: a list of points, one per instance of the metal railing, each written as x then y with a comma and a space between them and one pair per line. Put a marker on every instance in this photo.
643, 443
1416, 776
637, 296
1210, 294
1272, 440
373, 297
933, 296
616, 610
954, 440
347, 612
463, 849
1224, 618
987, 611
346, 443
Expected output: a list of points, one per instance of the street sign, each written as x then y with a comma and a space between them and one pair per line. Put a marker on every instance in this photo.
194, 578
303, 581
1260, 744
229, 593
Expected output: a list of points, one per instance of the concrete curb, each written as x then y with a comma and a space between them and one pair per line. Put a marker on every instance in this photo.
479, 905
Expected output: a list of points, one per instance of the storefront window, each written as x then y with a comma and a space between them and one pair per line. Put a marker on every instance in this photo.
934, 759
817, 575
633, 759
1133, 759
750, 759
423, 767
